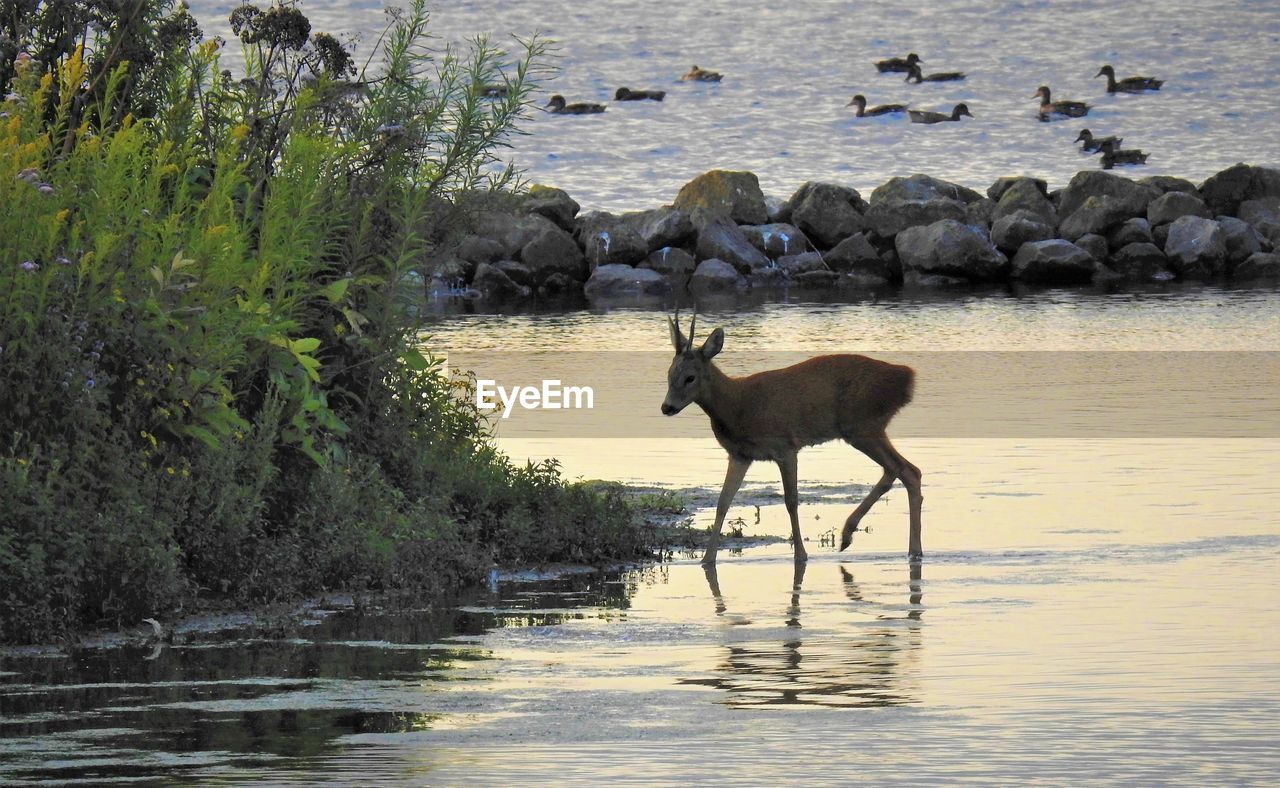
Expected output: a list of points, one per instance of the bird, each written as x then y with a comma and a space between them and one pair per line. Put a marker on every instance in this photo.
1062, 109
915, 75
701, 75
490, 91
1092, 143
557, 106
627, 94
920, 116
1113, 155
1128, 84
860, 101
898, 63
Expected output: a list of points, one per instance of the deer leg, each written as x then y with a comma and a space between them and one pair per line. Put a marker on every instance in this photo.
791, 496
878, 448
850, 525
732, 481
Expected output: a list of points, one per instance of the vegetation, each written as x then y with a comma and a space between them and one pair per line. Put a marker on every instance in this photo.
209, 385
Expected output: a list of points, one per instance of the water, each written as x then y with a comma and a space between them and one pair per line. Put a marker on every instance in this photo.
789, 71
1100, 610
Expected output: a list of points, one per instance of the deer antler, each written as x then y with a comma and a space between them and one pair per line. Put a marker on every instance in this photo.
692, 323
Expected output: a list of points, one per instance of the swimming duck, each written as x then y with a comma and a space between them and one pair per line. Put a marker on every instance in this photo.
915, 75
920, 116
701, 75
556, 106
1128, 84
627, 94
1062, 109
898, 63
1113, 155
860, 101
1092, 143
490, 91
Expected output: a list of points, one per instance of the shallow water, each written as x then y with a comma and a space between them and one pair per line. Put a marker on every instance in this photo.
790, 69
1100, 610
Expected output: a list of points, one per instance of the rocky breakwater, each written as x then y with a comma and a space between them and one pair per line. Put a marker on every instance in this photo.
723, 235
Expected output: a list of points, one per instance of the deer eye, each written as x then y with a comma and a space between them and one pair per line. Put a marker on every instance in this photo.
688, 380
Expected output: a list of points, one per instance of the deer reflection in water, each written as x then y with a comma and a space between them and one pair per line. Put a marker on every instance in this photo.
860, 665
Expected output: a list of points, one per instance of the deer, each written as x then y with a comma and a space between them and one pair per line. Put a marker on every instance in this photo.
771, 415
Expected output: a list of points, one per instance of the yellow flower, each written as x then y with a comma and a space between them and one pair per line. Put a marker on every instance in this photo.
185, 473
62, 215
170, 470
240, 132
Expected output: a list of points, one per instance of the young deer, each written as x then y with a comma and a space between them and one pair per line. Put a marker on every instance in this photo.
772, 415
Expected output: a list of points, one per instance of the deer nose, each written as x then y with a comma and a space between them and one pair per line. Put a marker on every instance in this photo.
667, 410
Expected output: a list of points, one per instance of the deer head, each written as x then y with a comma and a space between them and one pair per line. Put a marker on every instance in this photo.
689, 371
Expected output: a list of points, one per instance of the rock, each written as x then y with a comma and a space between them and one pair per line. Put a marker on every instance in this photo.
1196, 247
777, 239
1095, 245
620, 281
1259, 266
855, 254
827, 213
797, 264
554, 204
1132, 196
916, 201
1159, 235
557, 283
996, 190
764, 278
1263, 214
1242, 240
1103, 275
1095, 216
817, 279
1132, 231
510, 231
1011, 231
1168, 183
1140, 262
554, 251
661, 227
1053, 262
671, 262
721, 239
1026, 194
494, 283
1172, 205
716, 276
914, 279
723, 193
980, 213
476, 250
858, 280
608, 240
949, 248
1224, 191
778, 209
519, 273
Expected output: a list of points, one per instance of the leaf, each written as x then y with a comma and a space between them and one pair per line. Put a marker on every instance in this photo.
415, 361
304, 345
336, 290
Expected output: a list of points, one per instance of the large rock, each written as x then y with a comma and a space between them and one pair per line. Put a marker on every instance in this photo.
1196, 247
1140, 262
511, 232
1263, 214
1132, 197
1027, 195
554, 204
669, 261
949, 248
623, 281
797, 264
855, 254
1168, 183
494, 283
1259, 266
608, 240
1225, 191
1095, 245
720, 238
817, 279
827, 213
1053, 262
916, 201
1132, 231
475, 250
718, 193
1097, 215
554, 251
1242, 240
1013, 230
1173, 205
716, 276
777, 239
519, 273
558, 284
996, 190
662, 227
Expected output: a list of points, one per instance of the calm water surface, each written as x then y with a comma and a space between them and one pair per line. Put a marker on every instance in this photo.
1101, 610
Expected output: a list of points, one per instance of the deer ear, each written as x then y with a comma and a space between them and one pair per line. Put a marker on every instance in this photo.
677, 339
713, 345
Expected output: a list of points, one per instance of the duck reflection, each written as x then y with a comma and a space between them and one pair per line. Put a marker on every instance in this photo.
861, 664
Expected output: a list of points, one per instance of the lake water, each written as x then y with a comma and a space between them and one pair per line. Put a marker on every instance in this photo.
791, 68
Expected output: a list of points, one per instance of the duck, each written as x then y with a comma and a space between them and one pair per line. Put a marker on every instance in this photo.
915, 75
1063, 109
1113, 155
557, 106
1128, 84
627, 94
898, 63
1092, 143
860, 101
701, 75
490, 91
920, 116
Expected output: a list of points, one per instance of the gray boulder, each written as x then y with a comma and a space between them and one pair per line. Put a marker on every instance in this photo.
519, 272
623, 281
1053, 262
716, 276
1140, 262
996, 190
1172, 205
559, 284
797, 264
554, 251
608, 240
1132, 231
776, 240
1264, 215
980, 212
916, 201
1242, 240
1259, 266
509, 231
817, 279
554, 204
949, 248
1026, 195
661, 227
779, 210
827, 213
1011, 231
475, 250
1196, 247
1225, 191
1096, 216
494, 283
671, 262
855, 254
1168, 183
721, 239
723, 193
1095, 245
1131, 196
764, 278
